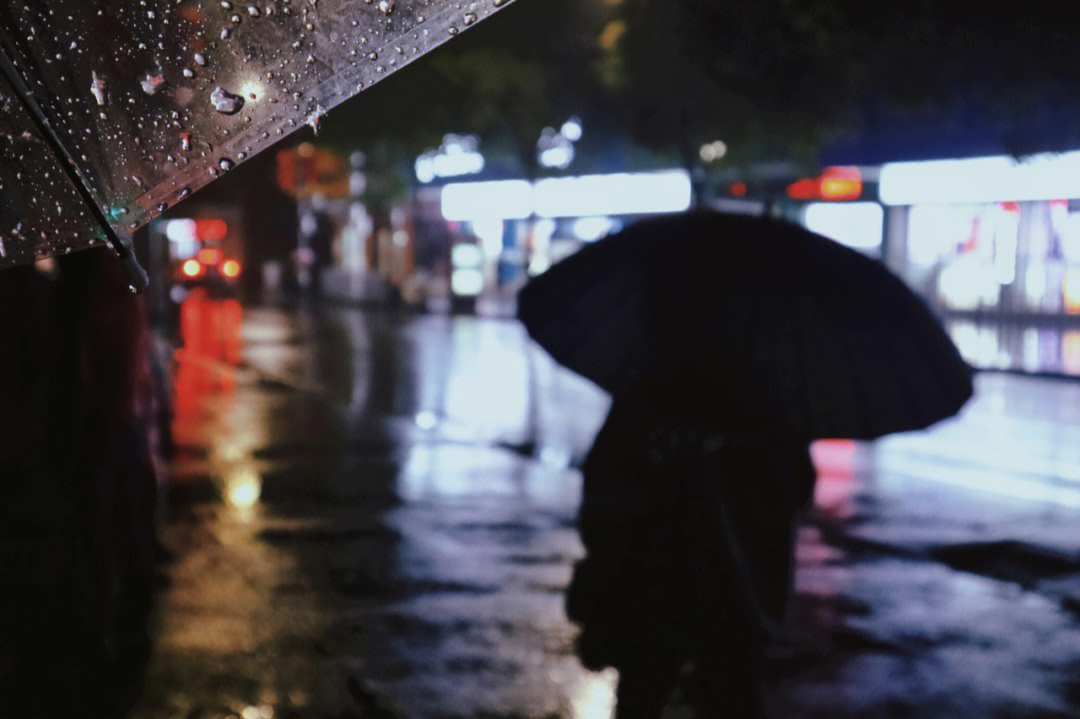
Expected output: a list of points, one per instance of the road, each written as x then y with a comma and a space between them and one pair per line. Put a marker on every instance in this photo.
374, 518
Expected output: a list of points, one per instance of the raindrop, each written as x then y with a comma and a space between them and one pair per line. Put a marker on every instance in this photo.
97, 88
225, 102
151, 83
453, 30
184, 192
185, 141
225, 33
225, 164
162, 207
200, 59
253, 11
470, 18
188, 72
386, 6
226, 4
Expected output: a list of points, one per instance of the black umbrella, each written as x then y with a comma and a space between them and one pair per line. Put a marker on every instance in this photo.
716, 306
111, 111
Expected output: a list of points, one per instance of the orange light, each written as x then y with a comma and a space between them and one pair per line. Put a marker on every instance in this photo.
841, 183
840, 188
230, 268
835, 183
191, 268
210, 256
1070, 289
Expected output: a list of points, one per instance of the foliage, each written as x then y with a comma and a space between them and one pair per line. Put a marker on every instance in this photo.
785, 77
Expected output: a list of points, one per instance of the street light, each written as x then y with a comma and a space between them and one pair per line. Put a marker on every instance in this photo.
556, 149
458, 155
713, 151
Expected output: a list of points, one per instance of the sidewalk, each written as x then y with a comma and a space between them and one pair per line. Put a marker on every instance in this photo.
402, 571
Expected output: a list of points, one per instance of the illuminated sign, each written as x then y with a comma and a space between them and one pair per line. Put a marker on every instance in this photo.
639, 193
855, 224
981, 179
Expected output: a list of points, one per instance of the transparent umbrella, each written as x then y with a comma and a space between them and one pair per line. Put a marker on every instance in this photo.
111, 111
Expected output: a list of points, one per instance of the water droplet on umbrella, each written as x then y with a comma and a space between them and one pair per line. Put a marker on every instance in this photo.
184, 192
386, 6
97, 88
225, 164
151, 83
200, 59
253, 11
225, 102
470, 18
188, 72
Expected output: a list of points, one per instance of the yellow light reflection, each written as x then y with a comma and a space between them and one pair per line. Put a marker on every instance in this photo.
252, 90
243, 487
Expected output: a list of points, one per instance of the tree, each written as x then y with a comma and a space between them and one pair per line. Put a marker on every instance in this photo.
505, 80
784, 78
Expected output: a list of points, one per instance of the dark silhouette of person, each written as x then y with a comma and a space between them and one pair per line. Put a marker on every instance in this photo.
687, 516
79, 499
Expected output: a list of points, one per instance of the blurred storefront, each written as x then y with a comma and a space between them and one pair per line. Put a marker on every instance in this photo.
993, 244
504, 231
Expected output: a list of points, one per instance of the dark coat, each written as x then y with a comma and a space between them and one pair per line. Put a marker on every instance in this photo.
659, 576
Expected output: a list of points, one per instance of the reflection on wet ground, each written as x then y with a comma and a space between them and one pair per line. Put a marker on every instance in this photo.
374, 517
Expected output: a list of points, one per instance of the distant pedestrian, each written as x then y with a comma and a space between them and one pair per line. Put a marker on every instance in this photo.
728, 344
688, 524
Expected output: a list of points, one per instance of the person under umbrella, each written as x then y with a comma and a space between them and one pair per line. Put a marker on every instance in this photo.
728, 344
660, 586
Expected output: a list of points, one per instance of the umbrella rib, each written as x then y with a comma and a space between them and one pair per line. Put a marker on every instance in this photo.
136, 275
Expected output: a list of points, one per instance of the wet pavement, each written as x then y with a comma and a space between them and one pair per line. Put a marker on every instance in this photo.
373, 516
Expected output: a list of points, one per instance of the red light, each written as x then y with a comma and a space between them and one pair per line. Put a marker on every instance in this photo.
835, 183
230, 268
191, 268
210, 256
804, 189
211, 230
737, 189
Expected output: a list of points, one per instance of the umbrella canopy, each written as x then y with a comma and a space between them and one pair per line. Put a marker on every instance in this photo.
750, 315
111, 111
